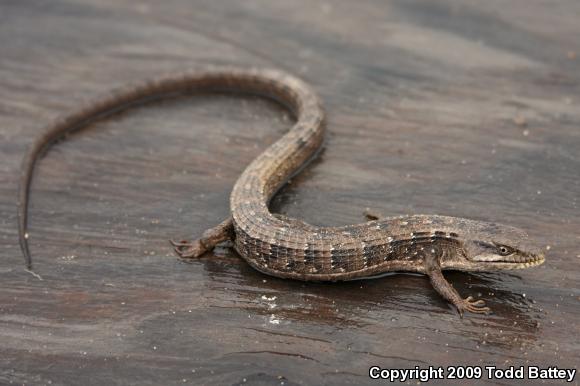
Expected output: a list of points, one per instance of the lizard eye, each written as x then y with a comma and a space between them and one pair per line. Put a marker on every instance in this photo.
504, 250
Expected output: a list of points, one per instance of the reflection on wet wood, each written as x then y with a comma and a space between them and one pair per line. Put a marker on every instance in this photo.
440, 107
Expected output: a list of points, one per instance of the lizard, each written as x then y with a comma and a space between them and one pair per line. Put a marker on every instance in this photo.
290, 248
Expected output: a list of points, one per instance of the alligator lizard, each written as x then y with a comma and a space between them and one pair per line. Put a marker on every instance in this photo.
289, 248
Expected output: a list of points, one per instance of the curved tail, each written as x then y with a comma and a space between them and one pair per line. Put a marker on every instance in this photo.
271, 83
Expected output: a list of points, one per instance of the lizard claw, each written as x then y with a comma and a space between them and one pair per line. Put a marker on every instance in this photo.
181, 243
187, 249
471, 305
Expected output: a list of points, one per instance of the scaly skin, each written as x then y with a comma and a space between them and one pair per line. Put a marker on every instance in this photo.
289, 248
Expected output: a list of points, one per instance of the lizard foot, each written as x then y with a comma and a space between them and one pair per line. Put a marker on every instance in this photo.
371, 215
471, 305
209, 239
188, 249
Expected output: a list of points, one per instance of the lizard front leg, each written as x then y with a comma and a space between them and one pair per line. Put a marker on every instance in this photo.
209, 239
371, 215
445, 289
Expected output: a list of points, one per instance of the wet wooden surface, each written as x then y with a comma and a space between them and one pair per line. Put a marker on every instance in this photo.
469, 109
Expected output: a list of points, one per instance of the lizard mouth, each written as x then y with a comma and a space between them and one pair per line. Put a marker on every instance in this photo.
514, 261
517, 262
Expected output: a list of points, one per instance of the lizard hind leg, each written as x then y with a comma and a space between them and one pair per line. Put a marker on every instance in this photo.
208, 240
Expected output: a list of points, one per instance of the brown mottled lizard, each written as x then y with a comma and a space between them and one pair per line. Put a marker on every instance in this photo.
289, 248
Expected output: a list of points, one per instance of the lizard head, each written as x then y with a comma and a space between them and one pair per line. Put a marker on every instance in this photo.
491, 247
490, 255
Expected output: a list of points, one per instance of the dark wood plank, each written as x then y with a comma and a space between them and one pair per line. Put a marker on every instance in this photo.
459, 108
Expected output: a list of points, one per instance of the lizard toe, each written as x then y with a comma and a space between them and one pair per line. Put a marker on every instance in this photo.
473, 306
186, 249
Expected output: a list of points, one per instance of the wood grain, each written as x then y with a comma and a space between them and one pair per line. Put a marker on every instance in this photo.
467, 109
